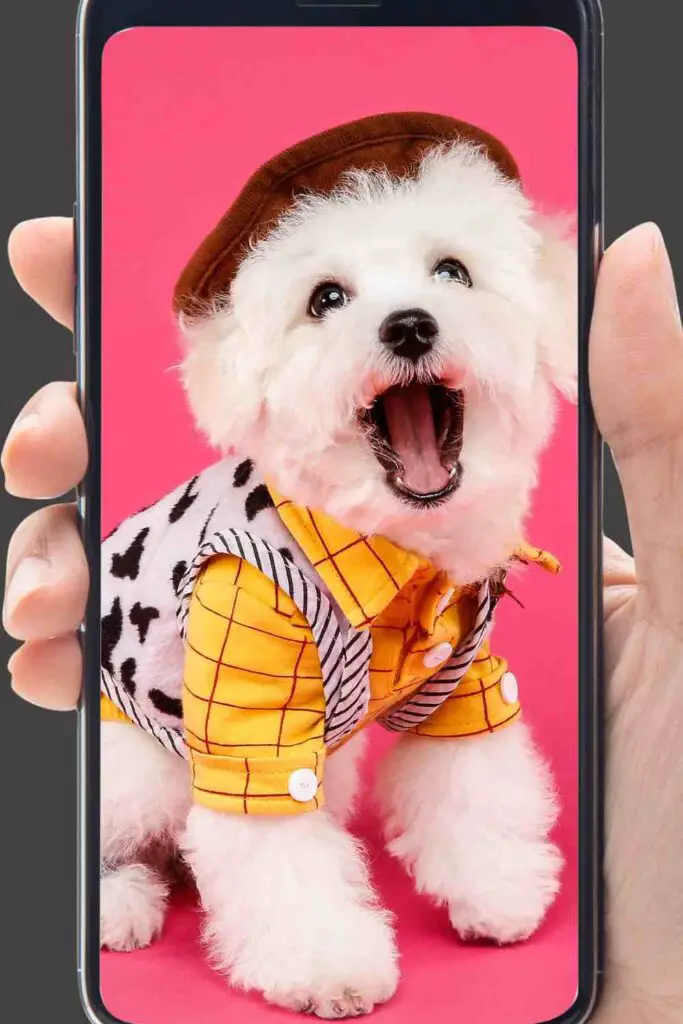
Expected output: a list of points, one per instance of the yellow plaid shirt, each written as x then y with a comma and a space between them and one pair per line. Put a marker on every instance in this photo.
253, 702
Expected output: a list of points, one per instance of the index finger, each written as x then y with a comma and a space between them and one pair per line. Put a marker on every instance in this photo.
41, 253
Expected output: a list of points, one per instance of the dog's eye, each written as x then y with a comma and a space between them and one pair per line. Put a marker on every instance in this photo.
452, 270
327, 296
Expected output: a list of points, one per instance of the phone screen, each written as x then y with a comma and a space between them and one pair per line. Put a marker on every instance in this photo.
358, 395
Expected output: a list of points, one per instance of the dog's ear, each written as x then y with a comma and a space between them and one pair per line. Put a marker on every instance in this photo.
558, 271
222, 385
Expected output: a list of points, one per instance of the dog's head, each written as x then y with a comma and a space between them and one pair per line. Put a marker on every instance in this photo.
389, 354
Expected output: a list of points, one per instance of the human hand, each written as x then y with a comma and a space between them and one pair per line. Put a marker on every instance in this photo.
45, 456
637, 385
636, 360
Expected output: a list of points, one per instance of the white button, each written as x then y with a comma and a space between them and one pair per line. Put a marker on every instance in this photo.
437, 655
509, 689
444, 602
303, 785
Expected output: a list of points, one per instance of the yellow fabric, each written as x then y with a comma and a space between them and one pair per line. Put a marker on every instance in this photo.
109, 712
364, 574
529, 554
253, 701
477, 705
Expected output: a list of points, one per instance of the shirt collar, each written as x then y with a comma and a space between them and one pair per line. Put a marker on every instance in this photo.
364, 573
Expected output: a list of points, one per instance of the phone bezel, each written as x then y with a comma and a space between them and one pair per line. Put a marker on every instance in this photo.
98, 20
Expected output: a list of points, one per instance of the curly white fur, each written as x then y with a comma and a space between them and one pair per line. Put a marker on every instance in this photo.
470, 820
291, 911
145, 794
342, 778
290, 908
145, 799
132, 907
251, 366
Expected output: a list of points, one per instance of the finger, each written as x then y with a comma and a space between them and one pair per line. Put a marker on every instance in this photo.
618, 567
47, 576
46, 451
636, 349
42, 258
636, 359
619, 583
48, 672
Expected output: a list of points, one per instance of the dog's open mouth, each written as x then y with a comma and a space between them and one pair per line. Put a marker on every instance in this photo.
415, 431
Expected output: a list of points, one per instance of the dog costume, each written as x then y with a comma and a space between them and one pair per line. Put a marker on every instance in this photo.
254, 636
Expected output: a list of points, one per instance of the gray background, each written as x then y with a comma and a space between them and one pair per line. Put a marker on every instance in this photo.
38, 849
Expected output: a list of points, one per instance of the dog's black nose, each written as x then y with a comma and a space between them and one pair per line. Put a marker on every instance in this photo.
409, 333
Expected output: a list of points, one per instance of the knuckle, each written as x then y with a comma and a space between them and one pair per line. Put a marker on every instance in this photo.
42, 531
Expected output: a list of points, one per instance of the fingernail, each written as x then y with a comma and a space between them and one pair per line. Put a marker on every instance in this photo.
30, 575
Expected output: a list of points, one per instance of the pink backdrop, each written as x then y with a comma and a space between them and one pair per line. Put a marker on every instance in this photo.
188, 114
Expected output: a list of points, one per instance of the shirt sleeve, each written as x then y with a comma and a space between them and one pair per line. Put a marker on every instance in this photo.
485, 700
253, 701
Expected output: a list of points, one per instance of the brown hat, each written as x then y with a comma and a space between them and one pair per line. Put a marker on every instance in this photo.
392, 141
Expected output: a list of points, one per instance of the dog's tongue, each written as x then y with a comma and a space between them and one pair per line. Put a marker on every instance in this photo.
412, 435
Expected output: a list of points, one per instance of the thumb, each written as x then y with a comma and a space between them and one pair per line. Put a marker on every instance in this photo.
636, 370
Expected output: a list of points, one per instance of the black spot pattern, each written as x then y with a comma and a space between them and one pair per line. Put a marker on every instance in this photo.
286, 553
167, 705
243, 472
142, 618
185, 501
179, 570
205, 527
128, 668
128, 564
112, 625
257, 501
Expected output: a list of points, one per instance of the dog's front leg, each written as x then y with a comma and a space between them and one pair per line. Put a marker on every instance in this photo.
145, 798
470, 819
291, 911
342, 778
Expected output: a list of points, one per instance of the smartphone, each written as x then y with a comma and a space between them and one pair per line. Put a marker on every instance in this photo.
341, 733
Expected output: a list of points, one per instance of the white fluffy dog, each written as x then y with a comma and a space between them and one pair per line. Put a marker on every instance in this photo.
390, 355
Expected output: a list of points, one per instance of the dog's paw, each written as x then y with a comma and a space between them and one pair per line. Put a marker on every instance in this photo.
337, 969
509, 905
349, 1003
132, 907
